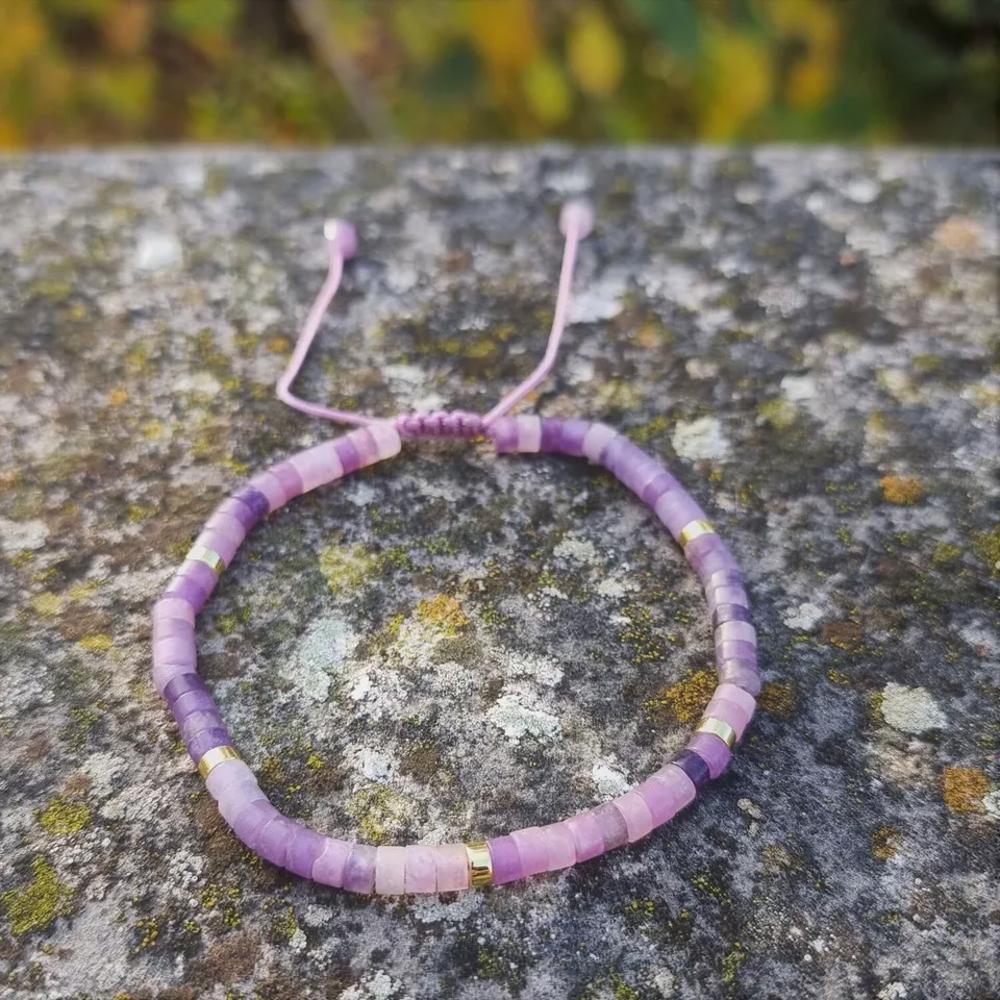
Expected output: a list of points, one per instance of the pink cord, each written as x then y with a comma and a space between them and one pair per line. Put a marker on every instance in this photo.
575, 221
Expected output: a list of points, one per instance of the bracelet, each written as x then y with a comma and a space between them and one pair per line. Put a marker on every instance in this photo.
396, 870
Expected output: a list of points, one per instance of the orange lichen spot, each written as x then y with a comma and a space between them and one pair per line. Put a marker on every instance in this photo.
118, 396
964, 789
845, 635
777, 699
443, 613
685, 700
904, 491
279, 345
885, 842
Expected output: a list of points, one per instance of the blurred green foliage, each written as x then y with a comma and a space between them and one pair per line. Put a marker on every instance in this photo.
319, 71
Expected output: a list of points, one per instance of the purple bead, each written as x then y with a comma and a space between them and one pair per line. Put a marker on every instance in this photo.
274, 840
735, 649
655, 489
743, 673
504, 435
251, 819
614, 829
729, 613
191, 702
305, 848
693, 766
349, 458
181, 685
255, 502
172, 628
506, 860
551, 435
712, 751
288, 476
359, 869
571, 437
207, 739
198, 722
186, 586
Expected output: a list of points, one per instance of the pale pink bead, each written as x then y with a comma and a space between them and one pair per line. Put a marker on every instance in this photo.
638, 818
390, 867
726, 595
226, 775
452, 868
587, 835
529, 433
328, 868
269, 484
736, 632
678, 782
420, 869
317, 466
660, 799
386, 438
533, 847
596, 440
228, 526
737, 694
561, 846
173, 607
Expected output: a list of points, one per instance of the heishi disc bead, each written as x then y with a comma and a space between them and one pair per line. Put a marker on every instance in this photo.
390, 871
529, 434
452, 868
660, 799
597, 438
742, 673
386, 438
317, 466
251, 819
506, 860
679, 783
533, 848
712, 750
291, 481
614, 829
587, 835
274, 839
638, 818
504, 435
420, 869
303, 851
561, 846
271, 488
328, 869
167, 608
359, 869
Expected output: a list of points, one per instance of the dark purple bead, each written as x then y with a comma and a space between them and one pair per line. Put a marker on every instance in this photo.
291, 481
199, 722
305, 848
348, 455
551, 435
693, 765
189, 589
192, 701
655, 489
181, 684
729, 613
198, 746
506, 860
573, 433
255, 502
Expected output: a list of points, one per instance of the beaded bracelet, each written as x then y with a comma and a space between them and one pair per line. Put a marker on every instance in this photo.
446, 868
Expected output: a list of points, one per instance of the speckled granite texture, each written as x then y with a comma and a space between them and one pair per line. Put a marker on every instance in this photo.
456, 644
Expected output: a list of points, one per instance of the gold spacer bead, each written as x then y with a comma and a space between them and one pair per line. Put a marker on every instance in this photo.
211, 759
720, 728
480, 865
211, 559
693, 530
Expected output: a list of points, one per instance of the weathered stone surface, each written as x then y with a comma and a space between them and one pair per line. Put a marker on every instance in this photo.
457, 644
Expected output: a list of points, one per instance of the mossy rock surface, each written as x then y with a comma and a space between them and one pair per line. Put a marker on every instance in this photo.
458, 644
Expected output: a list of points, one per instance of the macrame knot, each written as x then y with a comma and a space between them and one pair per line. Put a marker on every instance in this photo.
441, 424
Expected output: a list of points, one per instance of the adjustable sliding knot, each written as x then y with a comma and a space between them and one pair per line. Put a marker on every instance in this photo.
441, 424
